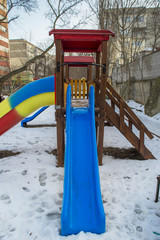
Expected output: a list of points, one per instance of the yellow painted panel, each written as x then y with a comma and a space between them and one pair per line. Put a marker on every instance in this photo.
79, 88
65, 92
75, 88
5, 107
32, 104
84, 86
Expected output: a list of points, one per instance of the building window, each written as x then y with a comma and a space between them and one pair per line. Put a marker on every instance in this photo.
137, 43
4, 49
2, 7
4, 39
140, 18
135, 55
3, 28
126, 44
128, 19
125, 32
122, 55
35, 51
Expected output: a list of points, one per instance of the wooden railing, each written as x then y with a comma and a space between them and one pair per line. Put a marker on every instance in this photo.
121, 115
78, 88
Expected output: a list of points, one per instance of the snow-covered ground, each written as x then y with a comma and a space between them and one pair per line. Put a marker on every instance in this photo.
31, 187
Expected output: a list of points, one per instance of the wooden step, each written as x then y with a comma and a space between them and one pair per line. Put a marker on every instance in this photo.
123, 118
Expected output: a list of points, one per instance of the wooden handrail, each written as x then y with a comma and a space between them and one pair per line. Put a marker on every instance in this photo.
119, 118
128, 110
112, 98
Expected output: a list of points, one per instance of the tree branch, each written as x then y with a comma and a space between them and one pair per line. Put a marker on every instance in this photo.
27, 5
26, 65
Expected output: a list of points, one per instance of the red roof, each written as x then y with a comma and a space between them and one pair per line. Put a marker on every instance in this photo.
78, 40
77, 61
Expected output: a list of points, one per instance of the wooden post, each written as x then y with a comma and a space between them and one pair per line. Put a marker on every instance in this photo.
141, 147
62, 77
67, 73
90, 76
157, 189
90, 73
102, 101
58, 75
87, 80
98, 54
130, 125
97, 77
59, 104
121, 109
72, 87
113, 105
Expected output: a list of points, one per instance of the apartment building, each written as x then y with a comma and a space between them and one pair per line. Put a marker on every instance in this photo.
21, 51
136, 30
4, 40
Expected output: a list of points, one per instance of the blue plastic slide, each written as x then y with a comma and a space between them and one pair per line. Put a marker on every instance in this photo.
28, 119
82, 208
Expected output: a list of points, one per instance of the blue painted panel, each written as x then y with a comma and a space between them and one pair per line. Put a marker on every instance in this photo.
39, 86
82, 208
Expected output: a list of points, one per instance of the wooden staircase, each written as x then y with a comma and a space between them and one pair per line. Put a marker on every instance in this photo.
118, 113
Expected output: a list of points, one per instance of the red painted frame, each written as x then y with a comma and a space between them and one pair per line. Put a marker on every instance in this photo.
78, 59
80, 40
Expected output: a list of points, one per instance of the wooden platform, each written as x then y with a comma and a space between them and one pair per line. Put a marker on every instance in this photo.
79, 103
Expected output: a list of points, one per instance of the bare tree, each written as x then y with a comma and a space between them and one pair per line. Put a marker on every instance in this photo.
153, 27
66, 13
125, 18
136, 25
57, 11
27, 5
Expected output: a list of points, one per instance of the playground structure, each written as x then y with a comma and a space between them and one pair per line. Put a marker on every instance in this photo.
82, 116
114, 111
